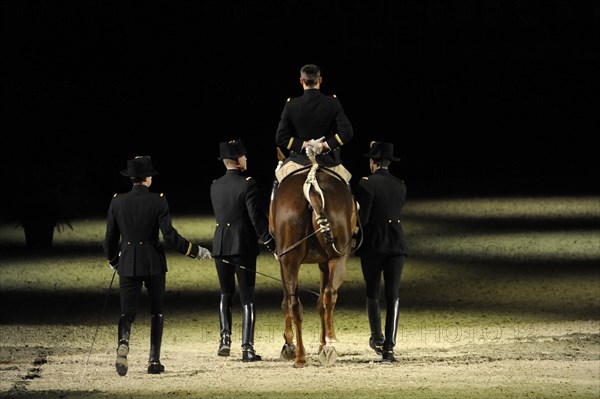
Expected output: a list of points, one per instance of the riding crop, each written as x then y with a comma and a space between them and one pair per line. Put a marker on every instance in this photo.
98, 326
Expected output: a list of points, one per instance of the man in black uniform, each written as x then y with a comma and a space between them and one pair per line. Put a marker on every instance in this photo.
240, 223
132, 247
307, 119
381, 197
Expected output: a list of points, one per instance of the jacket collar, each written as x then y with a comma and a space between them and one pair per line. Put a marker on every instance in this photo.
311, 92
139, 188
381, 171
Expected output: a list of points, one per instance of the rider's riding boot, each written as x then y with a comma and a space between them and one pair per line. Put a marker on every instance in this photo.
123, 332
248, 322
391, 328
376, 340
355, 237
357, 229
225, 325
156, 331
274, 189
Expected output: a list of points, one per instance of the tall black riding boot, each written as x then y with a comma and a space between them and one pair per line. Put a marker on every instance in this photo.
156, 332
123, 332
248, 320
391, 328
374, 313
225, 325
274, 189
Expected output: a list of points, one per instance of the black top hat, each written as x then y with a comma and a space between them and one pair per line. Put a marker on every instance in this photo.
381, 150
231, 149
139, 167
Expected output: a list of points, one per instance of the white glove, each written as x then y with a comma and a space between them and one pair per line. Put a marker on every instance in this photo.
270, 244
114, 264
317, 147
203, 253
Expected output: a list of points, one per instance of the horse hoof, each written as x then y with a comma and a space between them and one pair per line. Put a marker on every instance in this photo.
298, 364
288, 352
328, 356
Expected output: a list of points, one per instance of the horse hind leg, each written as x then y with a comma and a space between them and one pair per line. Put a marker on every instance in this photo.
293, 315
326, 303
298, 312
288, 352
327, 353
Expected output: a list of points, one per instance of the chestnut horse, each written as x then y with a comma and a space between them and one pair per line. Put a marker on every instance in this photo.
312, 217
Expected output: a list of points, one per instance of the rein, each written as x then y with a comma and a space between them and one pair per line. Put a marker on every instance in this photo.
266, 275
288, 249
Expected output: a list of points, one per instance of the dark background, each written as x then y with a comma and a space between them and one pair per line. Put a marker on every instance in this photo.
484, 98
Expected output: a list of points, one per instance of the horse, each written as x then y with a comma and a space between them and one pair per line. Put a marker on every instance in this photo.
314, 228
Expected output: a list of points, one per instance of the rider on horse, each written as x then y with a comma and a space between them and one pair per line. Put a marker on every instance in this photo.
312, 120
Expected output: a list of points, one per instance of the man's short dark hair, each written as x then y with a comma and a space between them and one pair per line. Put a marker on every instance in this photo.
311, 74
384, 163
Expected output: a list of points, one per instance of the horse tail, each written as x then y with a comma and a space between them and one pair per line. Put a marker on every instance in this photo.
317, 203
316, 198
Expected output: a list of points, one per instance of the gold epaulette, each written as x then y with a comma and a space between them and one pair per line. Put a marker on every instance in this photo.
334, 96
289, 99
248, 178
365, 178
162, 194
115, 195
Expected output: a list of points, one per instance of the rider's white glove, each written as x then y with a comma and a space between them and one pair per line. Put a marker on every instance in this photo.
114, 264
203, 253
316, 146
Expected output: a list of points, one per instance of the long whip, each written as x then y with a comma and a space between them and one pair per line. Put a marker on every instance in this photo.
266, 275
98, 326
